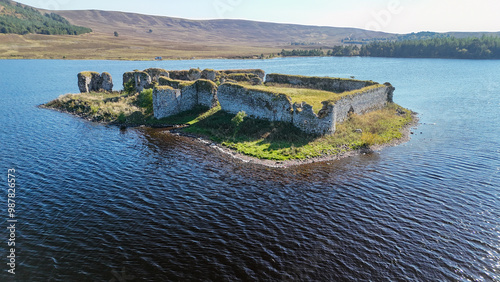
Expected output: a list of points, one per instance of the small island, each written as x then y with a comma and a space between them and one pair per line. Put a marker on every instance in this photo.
271, 118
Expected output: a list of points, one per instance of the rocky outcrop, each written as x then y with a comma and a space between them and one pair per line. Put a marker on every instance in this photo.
89, 81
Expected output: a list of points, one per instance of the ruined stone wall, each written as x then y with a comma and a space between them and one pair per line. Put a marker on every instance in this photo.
209, 74
168, 101
308, 121
337, 85
366, 100
234, 98
156, 73
142, 80
128, 76
89, 81
207, 93
260, 73
165, 81
179, 75
177, 95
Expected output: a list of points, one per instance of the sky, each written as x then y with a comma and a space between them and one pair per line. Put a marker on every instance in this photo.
395, 16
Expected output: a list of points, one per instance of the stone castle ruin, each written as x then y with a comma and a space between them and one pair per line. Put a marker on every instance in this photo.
243, 90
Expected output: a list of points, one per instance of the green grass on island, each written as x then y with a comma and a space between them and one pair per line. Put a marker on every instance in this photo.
262, 139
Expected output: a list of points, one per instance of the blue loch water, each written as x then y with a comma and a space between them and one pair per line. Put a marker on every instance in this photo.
96, 203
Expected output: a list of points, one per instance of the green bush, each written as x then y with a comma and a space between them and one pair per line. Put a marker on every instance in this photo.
129, 87
239, 118
121, 117
145, 100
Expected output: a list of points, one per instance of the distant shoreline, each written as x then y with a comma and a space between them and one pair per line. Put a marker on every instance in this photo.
238, 58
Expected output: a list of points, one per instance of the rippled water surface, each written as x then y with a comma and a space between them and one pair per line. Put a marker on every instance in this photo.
96, 203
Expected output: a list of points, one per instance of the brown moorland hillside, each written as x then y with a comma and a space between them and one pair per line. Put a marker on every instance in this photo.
144, 37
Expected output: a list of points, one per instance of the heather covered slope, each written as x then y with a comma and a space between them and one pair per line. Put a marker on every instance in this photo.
239, 32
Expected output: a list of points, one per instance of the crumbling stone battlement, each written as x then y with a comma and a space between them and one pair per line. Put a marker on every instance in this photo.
172, 99
141, 81
355, 97
336, 85
90, 81
234, 98
178, 91
274, 106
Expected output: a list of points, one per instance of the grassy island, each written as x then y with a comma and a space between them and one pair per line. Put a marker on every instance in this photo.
258, 138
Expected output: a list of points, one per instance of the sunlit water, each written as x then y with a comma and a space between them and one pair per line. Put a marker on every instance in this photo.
95, 203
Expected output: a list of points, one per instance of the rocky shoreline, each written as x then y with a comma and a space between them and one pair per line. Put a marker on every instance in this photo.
233, 154
239, 157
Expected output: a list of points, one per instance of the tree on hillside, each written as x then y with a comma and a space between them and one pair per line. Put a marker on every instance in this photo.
21, 19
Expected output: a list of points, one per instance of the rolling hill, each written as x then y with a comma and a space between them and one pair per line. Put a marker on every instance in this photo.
239, 32
144, 37
130, 36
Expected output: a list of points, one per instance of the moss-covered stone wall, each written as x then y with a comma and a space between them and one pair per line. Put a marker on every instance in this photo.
175, 96
234, 98
268, 105
336, 85
91, 81
177, 93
